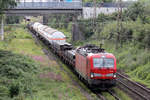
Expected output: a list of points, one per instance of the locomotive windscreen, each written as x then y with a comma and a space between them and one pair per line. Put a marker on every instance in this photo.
103, 62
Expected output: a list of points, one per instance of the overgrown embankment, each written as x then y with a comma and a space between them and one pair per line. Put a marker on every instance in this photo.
27, 73
17, 71
16, 74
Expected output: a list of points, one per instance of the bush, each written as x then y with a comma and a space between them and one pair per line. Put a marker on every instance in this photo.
131, 31
14, 89
135, 10
13, 19
16, 73
86, 27
4, 91
105, 18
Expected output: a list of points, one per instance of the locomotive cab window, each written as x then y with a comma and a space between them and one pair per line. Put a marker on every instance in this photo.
98, 62
103, 62
109, 63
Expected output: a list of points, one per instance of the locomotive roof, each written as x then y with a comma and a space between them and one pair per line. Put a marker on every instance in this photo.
90, 49
100, 54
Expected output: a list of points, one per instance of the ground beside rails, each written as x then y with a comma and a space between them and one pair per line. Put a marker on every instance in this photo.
49, 54
135, 90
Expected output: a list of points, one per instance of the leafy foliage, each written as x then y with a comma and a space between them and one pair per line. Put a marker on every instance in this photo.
62, 21
86, 28
4, 4
16, 72
134, 11
105, 18
13, 19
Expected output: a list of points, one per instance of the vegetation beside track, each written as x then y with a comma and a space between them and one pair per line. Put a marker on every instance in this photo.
27, 74
121, 94
17, 74
131, 58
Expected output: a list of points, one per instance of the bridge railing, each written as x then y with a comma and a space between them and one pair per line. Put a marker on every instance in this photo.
50, 5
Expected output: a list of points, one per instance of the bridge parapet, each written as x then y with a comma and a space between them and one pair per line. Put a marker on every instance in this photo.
50, 5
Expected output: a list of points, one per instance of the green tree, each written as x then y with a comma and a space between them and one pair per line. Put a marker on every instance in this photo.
136, 10
5, 4
13, 19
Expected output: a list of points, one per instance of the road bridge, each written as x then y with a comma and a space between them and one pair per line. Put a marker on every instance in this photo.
48, 7
44, 8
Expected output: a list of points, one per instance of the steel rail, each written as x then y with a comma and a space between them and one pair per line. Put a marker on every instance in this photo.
147, 90
135, 91
101, 96
113, 94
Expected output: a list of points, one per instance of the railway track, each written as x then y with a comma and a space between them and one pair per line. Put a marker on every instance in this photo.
99, 95
135, 90
111, 92
49, 53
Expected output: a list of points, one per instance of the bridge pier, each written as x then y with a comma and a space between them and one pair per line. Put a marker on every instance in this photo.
76, 33
45, 19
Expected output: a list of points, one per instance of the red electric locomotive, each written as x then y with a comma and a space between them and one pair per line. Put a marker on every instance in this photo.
97, 67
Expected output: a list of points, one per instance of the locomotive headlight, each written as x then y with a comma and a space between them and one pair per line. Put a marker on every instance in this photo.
115, 76
92, 75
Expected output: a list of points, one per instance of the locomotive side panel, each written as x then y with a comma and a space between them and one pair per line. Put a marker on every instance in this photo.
81, 65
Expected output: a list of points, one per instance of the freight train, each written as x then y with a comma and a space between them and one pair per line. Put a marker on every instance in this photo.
91, 63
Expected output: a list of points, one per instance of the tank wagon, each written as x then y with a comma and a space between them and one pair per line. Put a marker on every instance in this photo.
49, 34
92, 64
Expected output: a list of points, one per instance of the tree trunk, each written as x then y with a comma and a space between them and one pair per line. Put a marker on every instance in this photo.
119, 24
76, 33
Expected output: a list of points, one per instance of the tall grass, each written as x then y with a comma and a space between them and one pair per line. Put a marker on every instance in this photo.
16, 73
45, 82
